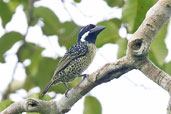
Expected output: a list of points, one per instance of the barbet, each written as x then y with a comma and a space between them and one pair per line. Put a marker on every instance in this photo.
77, 58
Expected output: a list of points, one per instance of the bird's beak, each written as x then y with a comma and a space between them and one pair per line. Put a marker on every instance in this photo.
97, 29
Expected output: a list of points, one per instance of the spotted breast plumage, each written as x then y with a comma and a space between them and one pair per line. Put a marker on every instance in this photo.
77, 58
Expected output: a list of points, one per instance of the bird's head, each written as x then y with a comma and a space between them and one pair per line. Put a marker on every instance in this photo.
89, 33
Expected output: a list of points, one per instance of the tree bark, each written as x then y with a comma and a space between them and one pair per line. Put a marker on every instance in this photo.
136, 58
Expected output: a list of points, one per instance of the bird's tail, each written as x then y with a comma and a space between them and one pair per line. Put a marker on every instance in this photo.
47, 88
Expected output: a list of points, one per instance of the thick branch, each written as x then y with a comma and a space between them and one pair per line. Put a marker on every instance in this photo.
156, 74
156, 17
139, 44
104, 74
30, 105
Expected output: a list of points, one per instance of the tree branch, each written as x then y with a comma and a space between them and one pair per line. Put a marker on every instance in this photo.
156, 74
136, 57
139, 44
104, 74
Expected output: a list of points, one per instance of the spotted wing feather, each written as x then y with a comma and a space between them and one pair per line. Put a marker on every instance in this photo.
74, 52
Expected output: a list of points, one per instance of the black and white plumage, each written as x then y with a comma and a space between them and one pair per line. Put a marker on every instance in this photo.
77, 58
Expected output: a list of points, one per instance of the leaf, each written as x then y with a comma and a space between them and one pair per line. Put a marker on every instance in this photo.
51, 22
167, 68
29, 51
78, 1
67, 31
68, 34
34, 95
45, 72
134, 12
5, 13
92, 105
113, 3
13, 4
122, 47
29, 82
76, 82
33, 53
46, 69
158, 47
41, 73
7, 41
110, 33
46, 97
4, 104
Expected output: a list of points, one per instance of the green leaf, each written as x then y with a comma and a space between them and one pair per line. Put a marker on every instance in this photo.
167, 68
41, 73
7, 41
12, 4
33, 53
26, 4
46, 97
34, 95
29, 51
67, 31
68, 34
76, 82
46, 69
122, 47
45, 72
158, 48
29, 82
113, 3
78, 1
4, 104
110, 33
92, 105
51, 22
5, 13
134, 12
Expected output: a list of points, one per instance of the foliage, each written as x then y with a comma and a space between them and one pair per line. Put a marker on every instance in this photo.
134, 12
7, 41
41, 68
4, 104
92, 105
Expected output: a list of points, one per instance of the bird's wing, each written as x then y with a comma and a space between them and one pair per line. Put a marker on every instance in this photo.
73, 53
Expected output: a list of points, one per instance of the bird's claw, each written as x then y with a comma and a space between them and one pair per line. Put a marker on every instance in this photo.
66, 93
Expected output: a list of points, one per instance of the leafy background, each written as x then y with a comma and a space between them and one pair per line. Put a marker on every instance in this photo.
41, 67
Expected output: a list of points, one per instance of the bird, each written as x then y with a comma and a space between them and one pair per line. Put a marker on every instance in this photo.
77, 59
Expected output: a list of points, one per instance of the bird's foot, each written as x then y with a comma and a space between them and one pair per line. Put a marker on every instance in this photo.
84, 76
66, 85
66, 93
